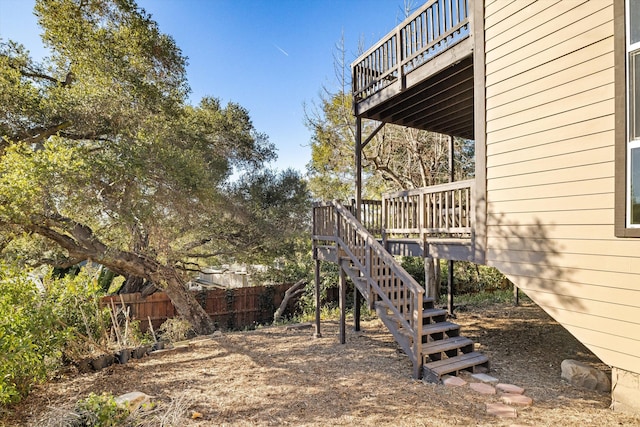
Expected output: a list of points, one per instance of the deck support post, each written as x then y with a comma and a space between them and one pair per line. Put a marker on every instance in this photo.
358, 171
317, 333
358, 157
357, 305
450, 284
343, 306
450, 288
430, 279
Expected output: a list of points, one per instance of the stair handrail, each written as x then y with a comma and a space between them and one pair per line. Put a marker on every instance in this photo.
348, 229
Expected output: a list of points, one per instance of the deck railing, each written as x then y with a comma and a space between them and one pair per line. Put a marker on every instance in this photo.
441, 211
370, 215
433, 28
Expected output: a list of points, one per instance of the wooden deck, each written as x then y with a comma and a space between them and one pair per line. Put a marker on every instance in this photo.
421, 74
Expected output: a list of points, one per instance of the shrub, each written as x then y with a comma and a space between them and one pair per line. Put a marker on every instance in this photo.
472, 278
30, 334
415, 267
75, 301
39, 320
101, 411
175, 329
329, 280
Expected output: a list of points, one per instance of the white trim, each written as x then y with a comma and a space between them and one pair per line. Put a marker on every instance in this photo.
635, 143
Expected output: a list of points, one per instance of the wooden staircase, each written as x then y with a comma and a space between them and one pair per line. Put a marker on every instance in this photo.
433, 344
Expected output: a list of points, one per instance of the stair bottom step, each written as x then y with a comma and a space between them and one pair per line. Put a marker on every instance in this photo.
474, 362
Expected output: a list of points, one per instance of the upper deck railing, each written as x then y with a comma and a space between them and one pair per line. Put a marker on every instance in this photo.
439, 211
436, 26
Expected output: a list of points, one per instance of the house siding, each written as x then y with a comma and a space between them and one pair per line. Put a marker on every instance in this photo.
550, 169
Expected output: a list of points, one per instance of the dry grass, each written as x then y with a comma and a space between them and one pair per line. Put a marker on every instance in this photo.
280, 376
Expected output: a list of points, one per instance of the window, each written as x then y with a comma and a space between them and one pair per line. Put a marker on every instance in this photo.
627, 107
632, 18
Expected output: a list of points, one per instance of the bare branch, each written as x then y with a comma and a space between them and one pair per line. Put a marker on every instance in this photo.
295, 290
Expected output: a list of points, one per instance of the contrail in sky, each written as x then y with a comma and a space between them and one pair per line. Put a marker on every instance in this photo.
284, 52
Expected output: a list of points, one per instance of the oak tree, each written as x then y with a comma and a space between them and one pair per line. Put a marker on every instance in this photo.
102, 158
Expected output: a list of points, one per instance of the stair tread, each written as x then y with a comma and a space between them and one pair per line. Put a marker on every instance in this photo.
396, 303
445, 345
433, 328
432, 312
456, 363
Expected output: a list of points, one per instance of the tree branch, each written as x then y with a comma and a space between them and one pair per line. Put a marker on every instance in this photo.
44, 133
295, 290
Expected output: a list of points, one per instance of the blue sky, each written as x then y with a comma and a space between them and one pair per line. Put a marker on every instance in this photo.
270, 56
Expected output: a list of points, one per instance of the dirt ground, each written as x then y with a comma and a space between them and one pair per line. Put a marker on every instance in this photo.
283, 376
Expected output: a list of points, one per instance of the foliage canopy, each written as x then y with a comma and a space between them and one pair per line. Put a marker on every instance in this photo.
103, 158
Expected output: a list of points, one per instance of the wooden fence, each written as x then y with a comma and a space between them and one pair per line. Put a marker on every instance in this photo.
229, 308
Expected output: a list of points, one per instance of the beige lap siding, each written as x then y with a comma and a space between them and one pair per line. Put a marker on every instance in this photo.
550, 169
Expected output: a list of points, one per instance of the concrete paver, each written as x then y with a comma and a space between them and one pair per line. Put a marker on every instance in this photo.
509, 388
483, 388
501, 410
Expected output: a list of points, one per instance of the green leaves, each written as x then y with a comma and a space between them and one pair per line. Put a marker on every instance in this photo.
29, 334
102, 157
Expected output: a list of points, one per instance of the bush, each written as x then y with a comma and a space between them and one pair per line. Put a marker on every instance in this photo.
415, 267
470, 278
75, 301
101, 411
30, 335
329, 279
175, 329
39, 320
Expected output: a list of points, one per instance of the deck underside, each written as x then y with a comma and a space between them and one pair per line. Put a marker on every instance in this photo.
435, 96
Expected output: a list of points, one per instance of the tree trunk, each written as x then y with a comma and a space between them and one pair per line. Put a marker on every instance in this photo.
131, 285
185, 303
81, 244
295, 290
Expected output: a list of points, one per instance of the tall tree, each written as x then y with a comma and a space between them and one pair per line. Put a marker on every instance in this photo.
396, 158
102, 159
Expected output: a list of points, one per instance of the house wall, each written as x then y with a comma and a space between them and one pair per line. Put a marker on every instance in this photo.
550, 170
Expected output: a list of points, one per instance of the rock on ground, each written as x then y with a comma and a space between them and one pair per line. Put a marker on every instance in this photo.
584, 376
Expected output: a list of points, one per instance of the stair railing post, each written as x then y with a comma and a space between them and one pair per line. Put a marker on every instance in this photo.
422, 211
400, 57
336, 228
384, 218
417, 336
450, 279
369, 277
